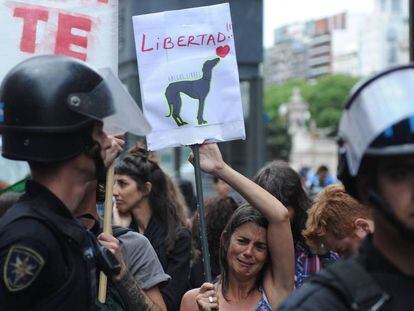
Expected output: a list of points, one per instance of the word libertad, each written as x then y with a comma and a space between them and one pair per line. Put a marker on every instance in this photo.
168, 43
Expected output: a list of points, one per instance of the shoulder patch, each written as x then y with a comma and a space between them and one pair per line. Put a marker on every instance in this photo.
21, 268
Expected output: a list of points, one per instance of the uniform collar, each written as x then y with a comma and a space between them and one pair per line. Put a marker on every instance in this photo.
374, 259
35, 189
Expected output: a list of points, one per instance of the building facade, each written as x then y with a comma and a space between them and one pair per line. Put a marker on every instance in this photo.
347, 43
288, 58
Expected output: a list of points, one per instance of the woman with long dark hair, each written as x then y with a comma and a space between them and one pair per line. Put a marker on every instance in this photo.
256, 248
144, 204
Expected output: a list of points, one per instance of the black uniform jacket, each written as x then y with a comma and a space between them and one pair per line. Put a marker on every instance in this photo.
398, 287
45, 258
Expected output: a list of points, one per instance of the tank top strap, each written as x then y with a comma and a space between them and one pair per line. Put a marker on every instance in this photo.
263, 304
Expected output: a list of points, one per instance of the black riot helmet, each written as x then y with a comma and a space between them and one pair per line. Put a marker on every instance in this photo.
50, 104
378, 121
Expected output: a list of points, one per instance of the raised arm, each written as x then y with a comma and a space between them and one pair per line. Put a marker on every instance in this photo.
279, 280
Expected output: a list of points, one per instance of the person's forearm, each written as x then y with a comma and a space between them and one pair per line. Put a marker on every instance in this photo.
133, 295
270, 207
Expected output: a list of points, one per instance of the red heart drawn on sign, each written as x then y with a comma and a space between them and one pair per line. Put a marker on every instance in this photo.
222, 51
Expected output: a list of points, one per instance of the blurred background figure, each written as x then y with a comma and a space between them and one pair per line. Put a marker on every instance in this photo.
187, 191
224, 190
221, 187
321, 179
337, 222
218, 212
306, 175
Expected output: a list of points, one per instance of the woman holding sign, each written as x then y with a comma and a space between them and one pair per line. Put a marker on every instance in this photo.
144, 204
256, 248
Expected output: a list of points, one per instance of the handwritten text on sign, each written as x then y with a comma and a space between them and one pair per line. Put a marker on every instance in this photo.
168, 43
83, 29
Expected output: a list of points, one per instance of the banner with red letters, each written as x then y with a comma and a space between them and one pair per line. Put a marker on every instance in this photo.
83, 29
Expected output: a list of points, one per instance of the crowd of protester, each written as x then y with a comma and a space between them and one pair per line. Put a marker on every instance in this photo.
267, 237
153, 220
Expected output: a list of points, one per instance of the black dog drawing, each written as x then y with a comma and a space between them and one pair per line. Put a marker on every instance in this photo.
197, 89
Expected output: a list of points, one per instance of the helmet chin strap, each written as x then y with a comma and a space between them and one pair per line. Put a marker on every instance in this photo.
382, 205
94, 151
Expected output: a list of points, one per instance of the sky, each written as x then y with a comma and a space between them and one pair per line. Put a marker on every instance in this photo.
281, 12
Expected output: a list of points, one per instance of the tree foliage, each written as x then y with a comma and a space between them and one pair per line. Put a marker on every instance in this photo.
325, 96
276, 95
278, 141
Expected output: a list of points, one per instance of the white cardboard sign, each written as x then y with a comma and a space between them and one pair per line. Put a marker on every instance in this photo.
84, 29
188, 76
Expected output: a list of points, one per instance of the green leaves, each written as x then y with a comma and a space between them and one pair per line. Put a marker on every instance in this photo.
275, 95
326, 98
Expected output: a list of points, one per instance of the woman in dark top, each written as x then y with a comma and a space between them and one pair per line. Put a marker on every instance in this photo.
143, 204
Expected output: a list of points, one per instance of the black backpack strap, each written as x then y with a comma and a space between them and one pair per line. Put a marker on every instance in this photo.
357, 287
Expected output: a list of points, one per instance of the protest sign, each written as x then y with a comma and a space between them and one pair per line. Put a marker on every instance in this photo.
188, 76
84, 29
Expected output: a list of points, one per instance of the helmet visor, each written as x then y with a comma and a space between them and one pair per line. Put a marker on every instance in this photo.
111, 103
380, 104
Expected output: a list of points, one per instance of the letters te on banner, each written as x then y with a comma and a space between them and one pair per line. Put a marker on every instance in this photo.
84, 29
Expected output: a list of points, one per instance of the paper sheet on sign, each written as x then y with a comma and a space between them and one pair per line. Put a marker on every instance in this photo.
84, 29
185, 57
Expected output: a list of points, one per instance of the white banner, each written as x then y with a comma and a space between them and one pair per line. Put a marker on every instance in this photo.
84, 29
188, 76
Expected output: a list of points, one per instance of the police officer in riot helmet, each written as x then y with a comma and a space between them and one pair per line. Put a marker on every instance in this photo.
376, 165
54, 111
